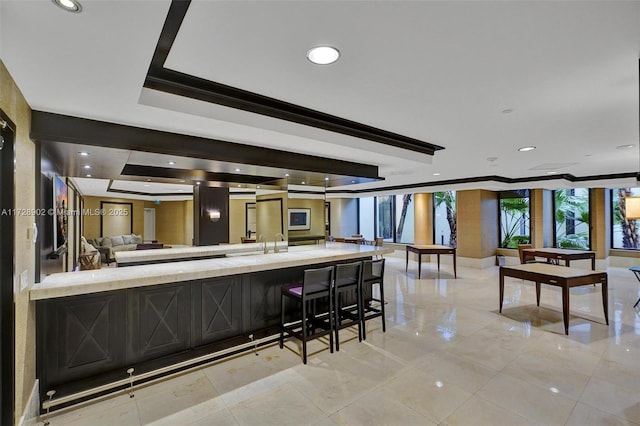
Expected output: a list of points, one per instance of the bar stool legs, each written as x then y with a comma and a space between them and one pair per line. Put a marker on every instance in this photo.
373, 273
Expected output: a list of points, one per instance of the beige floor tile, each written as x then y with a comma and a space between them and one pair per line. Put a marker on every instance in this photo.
376, 409
219, 418
285, 405
425, 394
527, 400
613, 399
479, 412
621, 375
585, 415
448, 368
115, 411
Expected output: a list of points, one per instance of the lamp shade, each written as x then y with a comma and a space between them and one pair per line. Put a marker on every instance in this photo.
632, 207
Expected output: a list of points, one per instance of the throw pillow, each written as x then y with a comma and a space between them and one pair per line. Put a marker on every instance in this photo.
137, 239
128, 239
117, 241
106, 242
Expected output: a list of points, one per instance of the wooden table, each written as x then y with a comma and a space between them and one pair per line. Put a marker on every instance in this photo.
354, 240
559, 276
431, 249
636, 272
564, 254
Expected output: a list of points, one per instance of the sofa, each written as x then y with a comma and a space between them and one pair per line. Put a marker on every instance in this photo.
111, 245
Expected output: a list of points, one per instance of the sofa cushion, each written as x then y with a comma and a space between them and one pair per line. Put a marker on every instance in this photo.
137, 239
117, 241
128, 239
106, 242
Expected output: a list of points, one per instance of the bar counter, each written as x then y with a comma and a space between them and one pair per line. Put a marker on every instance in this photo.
107, 279
93, 326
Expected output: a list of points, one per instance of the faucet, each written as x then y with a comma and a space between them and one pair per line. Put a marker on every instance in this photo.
275, 242
265, 248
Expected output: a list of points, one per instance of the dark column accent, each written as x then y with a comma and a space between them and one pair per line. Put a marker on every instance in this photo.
206, 231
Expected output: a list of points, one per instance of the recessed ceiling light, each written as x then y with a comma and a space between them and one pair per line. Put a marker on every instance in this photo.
239, 186
507, 111
552, 173
180, 190
69, 5
526, 148
258, 186
171, 162
237, 170
629, 146
326, 178
323, 55
86, 166
436, 174
83, 153
303, 182
353, 181
146, 185
286, 175
197, 183
182, 180
148, 180
88, 175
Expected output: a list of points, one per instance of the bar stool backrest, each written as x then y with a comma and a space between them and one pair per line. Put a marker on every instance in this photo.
348, 274
373, 270
317, 280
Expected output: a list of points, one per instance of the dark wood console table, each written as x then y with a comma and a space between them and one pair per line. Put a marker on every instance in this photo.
431, 249
564, 254
559, 276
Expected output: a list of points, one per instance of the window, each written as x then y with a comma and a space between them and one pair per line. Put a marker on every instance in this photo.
385, 222
515, 218
571, 214
366, 218
404, 218
444, 218
625, 232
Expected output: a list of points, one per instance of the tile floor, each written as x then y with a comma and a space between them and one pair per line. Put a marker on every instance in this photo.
448, 358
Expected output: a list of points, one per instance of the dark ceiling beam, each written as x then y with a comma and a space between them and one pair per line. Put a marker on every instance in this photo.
50, 127
177, 83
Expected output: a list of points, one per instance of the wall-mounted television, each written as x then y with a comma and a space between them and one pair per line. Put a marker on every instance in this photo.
60, 206
299, 219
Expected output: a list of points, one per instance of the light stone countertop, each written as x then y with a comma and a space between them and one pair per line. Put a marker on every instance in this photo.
108, 279
177, 253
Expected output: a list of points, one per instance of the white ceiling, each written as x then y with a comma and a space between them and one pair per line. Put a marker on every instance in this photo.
441, 72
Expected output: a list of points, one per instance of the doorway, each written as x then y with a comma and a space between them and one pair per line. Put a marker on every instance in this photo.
7, 232
149, 224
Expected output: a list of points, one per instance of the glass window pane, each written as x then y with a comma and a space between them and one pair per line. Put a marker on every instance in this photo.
444, 223
385, 217
404, 218
515, 220
625, 231
366, 218
572, 218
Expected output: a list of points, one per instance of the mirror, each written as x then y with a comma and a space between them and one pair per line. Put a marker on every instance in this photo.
307, 215
242, 216
272, 214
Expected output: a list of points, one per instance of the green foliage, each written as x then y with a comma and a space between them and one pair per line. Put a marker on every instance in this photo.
574, 207
513, 211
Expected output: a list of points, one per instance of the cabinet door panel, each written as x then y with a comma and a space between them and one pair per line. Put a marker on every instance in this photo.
217, 309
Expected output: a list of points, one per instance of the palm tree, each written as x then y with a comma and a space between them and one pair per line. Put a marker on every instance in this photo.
513, 212
448, 198
629, 226
570, 207
406, 200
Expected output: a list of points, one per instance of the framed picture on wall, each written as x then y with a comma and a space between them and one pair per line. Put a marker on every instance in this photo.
60, 204
299, 219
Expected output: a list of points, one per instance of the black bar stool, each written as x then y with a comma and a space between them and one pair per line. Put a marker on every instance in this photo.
317, 284
372, 273
347, 302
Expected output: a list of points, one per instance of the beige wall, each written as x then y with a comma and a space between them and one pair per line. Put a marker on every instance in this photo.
91, 223
15, 106
423, 218
237, 218
477, 223
599, 219
188, 222
268, 215
317, 215
171, 221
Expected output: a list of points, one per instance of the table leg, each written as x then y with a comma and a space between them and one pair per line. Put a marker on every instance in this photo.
565, 307
438, 262
593, 263
567, 263
605, 300
538, 293
455, 273
501, 288
419, 264
406, 266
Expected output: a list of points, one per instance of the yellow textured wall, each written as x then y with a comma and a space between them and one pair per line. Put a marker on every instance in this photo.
600, 201
91, 223
477, 213
317, 225
423, 218
188, 222
170, 222
16, 108
237, 218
